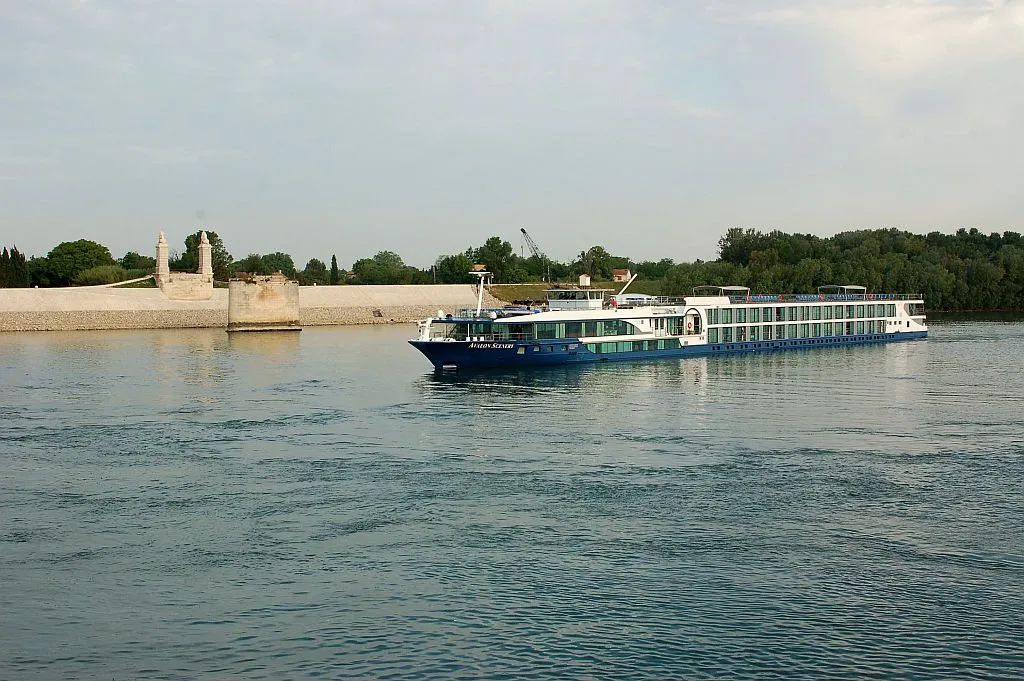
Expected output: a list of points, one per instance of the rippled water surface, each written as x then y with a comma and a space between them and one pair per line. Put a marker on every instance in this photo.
185, 504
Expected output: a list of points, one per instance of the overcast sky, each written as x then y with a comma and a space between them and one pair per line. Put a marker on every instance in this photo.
646, 126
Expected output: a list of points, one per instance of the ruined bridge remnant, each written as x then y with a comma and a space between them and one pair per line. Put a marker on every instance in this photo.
263, 303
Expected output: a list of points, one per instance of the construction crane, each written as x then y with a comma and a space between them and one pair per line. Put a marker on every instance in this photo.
537, 252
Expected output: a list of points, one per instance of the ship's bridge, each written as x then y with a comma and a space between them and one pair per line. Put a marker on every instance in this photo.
576, 298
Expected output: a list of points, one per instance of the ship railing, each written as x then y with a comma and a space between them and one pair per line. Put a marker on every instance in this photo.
485, 313
505, 337
626, 302
815, 297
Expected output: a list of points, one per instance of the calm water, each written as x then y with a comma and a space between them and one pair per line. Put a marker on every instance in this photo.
184, 504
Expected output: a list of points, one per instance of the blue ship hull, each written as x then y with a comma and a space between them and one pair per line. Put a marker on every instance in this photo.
512, 354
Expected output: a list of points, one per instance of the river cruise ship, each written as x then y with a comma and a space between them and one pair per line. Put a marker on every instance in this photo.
583, 325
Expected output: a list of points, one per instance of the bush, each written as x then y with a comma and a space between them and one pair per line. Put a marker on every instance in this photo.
104, 274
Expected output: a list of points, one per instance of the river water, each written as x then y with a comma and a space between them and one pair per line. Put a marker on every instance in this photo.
185, 504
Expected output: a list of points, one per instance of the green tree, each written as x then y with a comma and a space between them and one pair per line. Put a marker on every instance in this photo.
497, 256
104, 274
386, 267
596, 262
69, 258
454, 269
315, 272
655, 270
134, 261
39, 272
279, 262
251, 264
189, 260
335, 272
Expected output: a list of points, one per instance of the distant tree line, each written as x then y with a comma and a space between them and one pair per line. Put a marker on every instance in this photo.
13, 269
967, 270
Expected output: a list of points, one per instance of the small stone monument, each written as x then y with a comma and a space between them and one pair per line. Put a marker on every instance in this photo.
185, 285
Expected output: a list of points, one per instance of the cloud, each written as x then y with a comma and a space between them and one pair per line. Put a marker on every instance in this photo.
168, 155
882, 56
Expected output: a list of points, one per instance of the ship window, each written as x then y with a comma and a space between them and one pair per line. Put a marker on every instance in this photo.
727, 316
816, 312
766, 314
521, 350
827, 311
712, 335
780, 314
755, 316
767, 329
573, 329
727, 334
791, 315
780, 331
547, 330
590, 329
851, 311
791, 331
741, 316
828, 328
839, 311
860, 312
753, 333
816, 330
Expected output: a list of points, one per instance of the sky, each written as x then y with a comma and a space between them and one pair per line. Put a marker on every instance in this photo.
648, 127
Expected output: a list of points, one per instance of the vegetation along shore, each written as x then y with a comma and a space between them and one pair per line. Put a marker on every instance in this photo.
966, 270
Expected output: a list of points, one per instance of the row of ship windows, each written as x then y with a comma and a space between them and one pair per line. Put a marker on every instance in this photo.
651, 345
553, 330
672, 325
767, 332
798, 313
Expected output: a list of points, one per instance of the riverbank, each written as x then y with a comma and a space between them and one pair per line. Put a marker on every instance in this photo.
89, 308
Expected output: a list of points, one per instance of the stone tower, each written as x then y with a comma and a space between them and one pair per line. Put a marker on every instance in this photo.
162, 268
205, 255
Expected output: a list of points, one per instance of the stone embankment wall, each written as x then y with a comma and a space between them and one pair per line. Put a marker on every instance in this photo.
66, 309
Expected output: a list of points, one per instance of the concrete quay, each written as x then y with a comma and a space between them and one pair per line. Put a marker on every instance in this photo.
82, 308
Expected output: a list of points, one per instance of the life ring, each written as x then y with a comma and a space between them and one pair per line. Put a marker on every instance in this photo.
689, 326
780, 299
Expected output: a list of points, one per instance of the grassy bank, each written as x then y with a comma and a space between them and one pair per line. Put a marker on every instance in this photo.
535, 291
